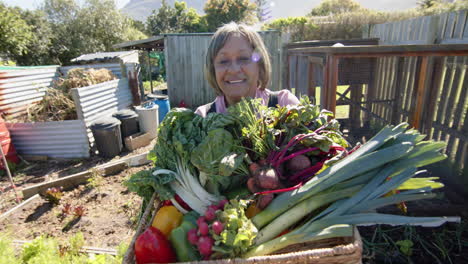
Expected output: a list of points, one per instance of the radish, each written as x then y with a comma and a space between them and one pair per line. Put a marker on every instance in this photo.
203, 228
205, 245
192, 236
253, 168
217, 227
210, 214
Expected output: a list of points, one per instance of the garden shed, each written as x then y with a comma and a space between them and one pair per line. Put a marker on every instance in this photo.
185, 56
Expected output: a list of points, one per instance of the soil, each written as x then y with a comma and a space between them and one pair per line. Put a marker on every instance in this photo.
110, 210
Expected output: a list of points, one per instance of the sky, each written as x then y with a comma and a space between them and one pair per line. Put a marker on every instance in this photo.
373, 4
33, 4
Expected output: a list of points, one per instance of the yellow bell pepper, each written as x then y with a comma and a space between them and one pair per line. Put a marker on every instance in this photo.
166, 219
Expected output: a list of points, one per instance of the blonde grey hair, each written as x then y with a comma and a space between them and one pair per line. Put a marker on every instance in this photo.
218, 41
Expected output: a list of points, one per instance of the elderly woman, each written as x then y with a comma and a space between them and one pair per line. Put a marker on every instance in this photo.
238, 65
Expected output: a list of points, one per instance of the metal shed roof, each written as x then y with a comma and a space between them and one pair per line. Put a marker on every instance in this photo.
153, 43
103, 56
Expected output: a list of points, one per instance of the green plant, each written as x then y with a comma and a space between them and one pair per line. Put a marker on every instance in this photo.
95, 180
7, 254
53, 195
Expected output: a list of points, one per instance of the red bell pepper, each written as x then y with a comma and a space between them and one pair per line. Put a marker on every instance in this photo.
153, 247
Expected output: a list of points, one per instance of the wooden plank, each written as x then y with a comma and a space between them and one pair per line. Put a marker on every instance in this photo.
442, 25
451, 96
378, 87
443, 98
311, 82
435, 85
460, 24
460, 105
391, 89
452, 17
465, 30
461, 158
19, 206
370, 91
354, 111
333, 84
74, 180
86, 250
421, 90
398, 90
326, 84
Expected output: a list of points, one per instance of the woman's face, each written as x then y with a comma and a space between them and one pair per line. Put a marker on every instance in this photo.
237, 69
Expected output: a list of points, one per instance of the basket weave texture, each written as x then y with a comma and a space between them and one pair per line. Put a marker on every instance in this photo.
343, 250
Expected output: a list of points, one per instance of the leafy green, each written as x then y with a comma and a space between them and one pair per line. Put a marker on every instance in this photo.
238, 234
217, 157
178, 134
144, 183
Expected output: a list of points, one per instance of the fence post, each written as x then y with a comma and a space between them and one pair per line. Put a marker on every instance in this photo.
421, 90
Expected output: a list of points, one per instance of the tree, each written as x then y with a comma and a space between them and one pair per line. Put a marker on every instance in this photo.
219, 12
41, 42
92, 28
175, 19
333, 7
300, 28
15, 33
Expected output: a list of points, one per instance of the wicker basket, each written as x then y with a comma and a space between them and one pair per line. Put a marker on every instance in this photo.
344, 250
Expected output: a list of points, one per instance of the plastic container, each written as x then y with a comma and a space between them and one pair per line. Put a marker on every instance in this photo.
129, 122
107, 136
7, 146
148, 117
163, 102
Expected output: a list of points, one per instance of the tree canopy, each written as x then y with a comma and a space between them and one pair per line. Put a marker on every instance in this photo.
333, 7
15, 33
219, 12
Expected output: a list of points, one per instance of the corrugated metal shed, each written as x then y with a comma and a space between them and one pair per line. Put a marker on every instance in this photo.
21, 86
115, 68
59, 139
104, 99
117, 56
185, 57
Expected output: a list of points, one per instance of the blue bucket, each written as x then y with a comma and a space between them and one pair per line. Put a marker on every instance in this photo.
163, 103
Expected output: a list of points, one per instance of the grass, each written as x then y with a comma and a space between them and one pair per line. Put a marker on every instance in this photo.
408, 244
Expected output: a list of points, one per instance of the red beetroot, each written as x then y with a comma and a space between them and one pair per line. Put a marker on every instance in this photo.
217, 227
264, 200
253, 168
252, 186
200, 220
267, 179
297, 163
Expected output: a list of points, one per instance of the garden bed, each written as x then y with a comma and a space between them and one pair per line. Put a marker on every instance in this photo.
110, 211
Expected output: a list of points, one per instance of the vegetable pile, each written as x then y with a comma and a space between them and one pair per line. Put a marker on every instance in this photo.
259, 179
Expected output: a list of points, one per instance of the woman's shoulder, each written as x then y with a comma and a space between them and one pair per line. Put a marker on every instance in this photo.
203, 110
286, 97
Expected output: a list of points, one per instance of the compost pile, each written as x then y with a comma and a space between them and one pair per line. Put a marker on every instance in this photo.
57, 104
257, 180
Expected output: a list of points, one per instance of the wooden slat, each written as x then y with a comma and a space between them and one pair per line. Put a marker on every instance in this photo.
442, 25
452, 17
443, 98
451, 96
431, 102
354, 111
311, 82
378, 88
333, 85
460, 24
462, 151
421, 90
460, 104
398, 90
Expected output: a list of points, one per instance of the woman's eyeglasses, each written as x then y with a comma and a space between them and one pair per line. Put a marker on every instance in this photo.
224, 64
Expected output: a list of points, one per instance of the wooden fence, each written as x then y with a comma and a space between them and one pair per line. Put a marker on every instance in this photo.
444, 116
424, 85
